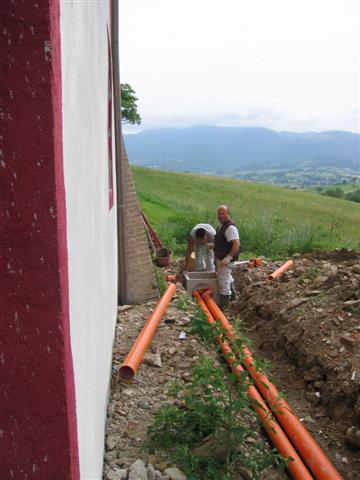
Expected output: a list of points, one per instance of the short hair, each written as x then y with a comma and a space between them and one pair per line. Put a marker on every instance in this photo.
225, 207
200, 233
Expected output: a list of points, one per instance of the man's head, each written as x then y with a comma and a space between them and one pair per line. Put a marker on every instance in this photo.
201, 235
223, 213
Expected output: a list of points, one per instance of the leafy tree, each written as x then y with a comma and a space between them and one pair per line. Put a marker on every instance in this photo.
334, 192
354, 196
129, 110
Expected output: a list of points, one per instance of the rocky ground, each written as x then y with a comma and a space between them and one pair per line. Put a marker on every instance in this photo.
173, 352
133, 404
307, 323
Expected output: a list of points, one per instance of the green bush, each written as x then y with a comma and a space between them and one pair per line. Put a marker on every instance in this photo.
213, 409
334, 192
205, 431
354, 196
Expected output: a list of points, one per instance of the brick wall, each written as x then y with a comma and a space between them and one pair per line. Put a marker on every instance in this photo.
141, 282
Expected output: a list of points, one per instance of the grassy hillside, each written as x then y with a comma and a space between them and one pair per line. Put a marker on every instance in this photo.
273, 221
348, 187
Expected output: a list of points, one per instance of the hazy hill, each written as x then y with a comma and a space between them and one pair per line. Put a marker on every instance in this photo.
229, 149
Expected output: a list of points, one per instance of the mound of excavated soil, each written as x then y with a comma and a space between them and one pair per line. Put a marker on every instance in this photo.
307, 323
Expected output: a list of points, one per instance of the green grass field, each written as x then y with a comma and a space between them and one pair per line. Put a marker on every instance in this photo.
273, 221
348, 187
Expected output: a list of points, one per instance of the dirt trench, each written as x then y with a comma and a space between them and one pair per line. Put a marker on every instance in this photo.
307, 324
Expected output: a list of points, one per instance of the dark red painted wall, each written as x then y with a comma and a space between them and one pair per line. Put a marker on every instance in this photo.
38, 438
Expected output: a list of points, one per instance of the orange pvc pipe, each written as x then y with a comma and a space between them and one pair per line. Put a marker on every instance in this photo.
296, 467
129, 368
308, 448
286, 266
171, 278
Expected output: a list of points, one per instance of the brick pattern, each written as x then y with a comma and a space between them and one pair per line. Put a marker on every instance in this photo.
141, 282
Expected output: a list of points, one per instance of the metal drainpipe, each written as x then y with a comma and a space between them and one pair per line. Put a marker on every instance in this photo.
119, 160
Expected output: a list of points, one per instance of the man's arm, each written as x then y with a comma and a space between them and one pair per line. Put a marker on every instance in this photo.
189, 252
235, 247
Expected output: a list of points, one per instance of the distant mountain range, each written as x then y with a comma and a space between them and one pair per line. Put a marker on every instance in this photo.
223, 150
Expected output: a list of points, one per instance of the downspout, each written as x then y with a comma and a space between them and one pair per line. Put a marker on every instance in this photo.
119, 158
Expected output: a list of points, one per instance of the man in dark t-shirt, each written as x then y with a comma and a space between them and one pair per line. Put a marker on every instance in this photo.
227, 246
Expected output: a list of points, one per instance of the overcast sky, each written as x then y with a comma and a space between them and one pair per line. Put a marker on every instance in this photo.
282, 64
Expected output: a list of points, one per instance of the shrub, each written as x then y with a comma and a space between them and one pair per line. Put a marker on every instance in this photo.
205, 431
212, 413
334, 192
354, 196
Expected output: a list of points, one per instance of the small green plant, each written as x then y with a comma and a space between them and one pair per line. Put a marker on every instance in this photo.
160, 280
201, 327
206, 429
183, 301
205, 432
348, 321
312, 272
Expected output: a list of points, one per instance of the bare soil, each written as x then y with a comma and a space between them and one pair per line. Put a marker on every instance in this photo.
307, 323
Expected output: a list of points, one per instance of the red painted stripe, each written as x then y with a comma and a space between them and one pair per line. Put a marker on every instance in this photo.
38, 437
56, 87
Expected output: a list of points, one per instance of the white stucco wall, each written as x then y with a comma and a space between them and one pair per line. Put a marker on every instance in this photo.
91, 226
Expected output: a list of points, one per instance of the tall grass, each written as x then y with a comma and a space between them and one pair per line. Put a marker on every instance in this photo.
269, 237
259, 236
175, 231
275, 222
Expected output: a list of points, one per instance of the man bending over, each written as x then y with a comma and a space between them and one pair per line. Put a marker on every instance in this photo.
202, 239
